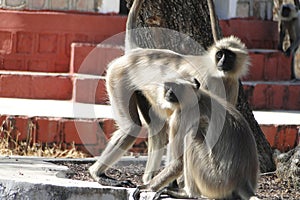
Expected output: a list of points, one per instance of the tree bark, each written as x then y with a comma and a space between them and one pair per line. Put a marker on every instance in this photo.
191, 17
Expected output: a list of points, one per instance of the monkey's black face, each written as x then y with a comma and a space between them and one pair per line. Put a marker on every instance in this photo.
286, 10
175, 91
170, 95
225, 60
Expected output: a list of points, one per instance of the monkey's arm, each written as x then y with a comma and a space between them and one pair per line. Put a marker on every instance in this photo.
296, 41
281, 36
167, 175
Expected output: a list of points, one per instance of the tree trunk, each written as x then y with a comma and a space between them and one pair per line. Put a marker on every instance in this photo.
191, 17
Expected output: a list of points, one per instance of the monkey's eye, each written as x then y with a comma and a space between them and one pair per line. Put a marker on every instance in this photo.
231, 55
219, 55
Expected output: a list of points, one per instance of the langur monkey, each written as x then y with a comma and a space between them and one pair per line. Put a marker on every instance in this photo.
227, 168
133, 81
289, 22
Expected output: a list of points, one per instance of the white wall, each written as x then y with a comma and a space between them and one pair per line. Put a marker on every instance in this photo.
226, 9
109, 6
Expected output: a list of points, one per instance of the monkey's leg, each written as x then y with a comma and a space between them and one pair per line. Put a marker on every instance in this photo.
281, 36
293, 48
156, 148
122, 139
157, 137
245, 191
166, 176
174, 169
190, 154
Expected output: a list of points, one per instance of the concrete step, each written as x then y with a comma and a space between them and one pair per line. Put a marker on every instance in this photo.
36, 85
277, 95
27, 178
281, 128
87, 125
268, 65
89, 58
53, 86
91, 125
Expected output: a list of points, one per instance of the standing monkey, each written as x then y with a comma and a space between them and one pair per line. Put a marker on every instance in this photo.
225, 169
289, 22
133, 83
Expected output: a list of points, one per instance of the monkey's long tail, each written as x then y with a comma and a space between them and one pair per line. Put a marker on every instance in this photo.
130, 42
213, 20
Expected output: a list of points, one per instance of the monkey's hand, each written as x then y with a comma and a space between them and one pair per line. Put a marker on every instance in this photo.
139, 189
178, 193
148, 193
109, 181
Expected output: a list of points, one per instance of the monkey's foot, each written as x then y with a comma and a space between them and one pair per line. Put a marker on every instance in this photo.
142, 192
178, 193
103, 179
94, 171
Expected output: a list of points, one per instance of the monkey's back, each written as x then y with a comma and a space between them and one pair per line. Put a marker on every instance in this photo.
146, 70
231, 164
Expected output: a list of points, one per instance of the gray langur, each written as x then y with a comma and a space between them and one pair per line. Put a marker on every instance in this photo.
133, 83
226, 169
289, 22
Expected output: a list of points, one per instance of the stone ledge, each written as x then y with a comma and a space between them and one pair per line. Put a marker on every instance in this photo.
23, 178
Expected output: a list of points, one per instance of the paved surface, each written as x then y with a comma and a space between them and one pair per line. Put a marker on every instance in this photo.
28, 178
36, 178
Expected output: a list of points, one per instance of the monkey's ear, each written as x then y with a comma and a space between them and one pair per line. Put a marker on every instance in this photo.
197, 84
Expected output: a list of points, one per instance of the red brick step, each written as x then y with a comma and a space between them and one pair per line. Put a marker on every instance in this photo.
279, 95
257, 34
41, 41
36, 85
268, 65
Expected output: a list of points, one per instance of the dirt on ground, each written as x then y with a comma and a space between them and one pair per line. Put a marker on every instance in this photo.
269, 185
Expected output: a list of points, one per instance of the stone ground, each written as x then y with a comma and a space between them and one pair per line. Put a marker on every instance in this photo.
269, 187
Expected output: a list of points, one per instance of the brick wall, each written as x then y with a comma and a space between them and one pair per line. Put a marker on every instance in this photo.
41, 41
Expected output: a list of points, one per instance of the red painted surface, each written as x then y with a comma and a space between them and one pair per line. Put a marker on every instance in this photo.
93, 59
41, 41
92, 135
278, 97
255, 33
59, 42
108, 126
90, 91
271, 66
36, 86
273, 96
48, 129
282, 137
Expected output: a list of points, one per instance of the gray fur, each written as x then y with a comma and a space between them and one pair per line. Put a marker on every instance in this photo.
229, 167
